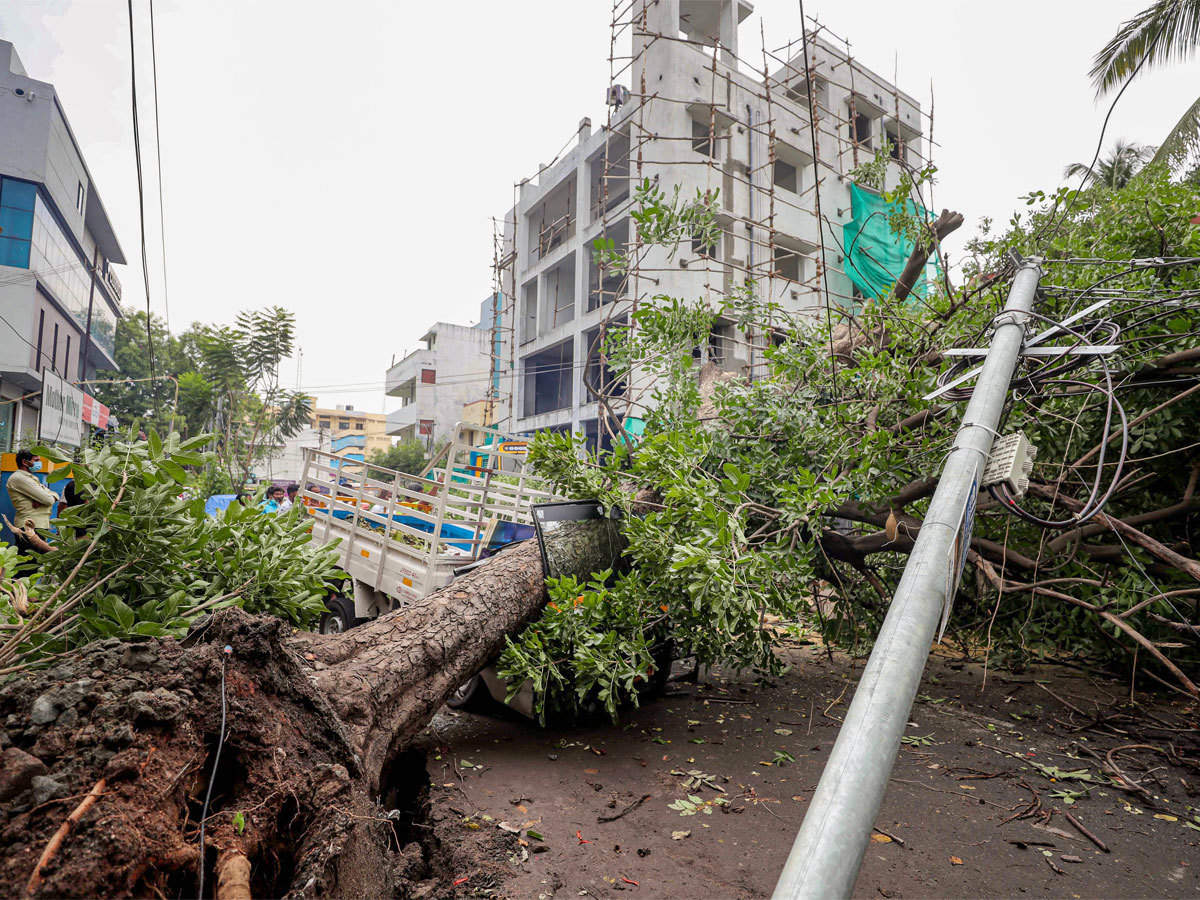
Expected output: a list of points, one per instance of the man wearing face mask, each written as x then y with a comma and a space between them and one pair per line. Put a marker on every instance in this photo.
32, 502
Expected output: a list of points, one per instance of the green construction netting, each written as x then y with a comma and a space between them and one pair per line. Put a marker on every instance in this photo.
874, 255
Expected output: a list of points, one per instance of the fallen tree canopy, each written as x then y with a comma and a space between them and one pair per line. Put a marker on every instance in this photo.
313, 758
798, 492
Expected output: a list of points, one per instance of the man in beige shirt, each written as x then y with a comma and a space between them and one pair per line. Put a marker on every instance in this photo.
31, 500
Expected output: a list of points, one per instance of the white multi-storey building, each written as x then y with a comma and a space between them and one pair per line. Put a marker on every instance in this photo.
59, 295
686, 112
435, 381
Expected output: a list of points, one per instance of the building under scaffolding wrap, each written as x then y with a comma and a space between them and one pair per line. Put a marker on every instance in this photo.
774, 138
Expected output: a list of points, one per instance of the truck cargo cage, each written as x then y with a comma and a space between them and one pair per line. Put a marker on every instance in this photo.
402, 536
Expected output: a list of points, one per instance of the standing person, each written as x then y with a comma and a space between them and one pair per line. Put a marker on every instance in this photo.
274, 498
32, 502
290, 500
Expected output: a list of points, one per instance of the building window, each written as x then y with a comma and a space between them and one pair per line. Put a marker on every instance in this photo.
895, 146
358, 426
699, 248
323, 423
54, 351
426, 427
785, 176
60, 268
17, 200
67, 359
703, 140
787, 264
41, 328
343, 424
799, 93
80, 196
428, 376
862, 130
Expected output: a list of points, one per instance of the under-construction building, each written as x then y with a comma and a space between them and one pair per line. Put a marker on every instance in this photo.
773, 139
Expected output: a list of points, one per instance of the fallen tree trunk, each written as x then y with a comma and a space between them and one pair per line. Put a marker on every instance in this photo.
312, 757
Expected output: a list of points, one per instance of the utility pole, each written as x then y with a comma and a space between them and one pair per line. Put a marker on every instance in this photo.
828, 851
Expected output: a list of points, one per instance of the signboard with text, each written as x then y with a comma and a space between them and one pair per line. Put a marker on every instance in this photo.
61, 420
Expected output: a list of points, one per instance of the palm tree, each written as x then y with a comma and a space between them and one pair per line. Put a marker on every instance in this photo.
1166, 31
1117, 168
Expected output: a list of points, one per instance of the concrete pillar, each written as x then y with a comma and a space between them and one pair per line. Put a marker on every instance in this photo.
729, 32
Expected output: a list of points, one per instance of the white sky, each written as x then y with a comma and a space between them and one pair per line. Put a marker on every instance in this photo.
345, 160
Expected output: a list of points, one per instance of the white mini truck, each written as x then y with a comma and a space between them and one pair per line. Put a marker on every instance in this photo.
404, 536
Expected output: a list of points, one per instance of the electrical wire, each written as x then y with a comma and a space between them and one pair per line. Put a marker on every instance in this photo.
162, 220
225, 654
812, 131
1095, 501
137, 155
1150, 45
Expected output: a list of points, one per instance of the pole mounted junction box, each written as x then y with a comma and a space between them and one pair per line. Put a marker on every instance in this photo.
1010, 463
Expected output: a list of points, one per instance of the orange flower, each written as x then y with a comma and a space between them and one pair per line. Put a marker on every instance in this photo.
553, 606
578, 600
663, 607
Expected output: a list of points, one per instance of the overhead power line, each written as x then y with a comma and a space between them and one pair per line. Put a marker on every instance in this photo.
162, 220
137, 155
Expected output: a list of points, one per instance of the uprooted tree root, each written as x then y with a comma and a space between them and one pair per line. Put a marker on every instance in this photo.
288, 797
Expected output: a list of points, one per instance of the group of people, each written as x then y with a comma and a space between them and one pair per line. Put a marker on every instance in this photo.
278, 499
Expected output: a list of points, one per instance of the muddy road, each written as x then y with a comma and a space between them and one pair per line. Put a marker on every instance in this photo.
700, 793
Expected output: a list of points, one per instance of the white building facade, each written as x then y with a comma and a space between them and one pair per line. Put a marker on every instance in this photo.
59, 294
691, 115
434, 382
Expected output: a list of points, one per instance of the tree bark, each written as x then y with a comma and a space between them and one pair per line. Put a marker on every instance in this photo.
386, 678
943, 225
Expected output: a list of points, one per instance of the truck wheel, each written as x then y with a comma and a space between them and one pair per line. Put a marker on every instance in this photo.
464, 693
339, 618
663, 657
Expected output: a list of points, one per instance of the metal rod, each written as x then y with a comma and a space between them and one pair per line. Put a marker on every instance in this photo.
828, 851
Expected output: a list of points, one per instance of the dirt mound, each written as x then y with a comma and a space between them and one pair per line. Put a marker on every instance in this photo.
137, 727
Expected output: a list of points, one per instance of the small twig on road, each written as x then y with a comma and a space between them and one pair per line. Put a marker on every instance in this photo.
628, 809
1067, 704
888, 834
825, 711
1087, 834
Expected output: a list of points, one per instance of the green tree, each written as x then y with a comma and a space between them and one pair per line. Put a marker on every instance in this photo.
1115, 170
798, 494
1164, 32
404, 456
253, 414
139, 556
136, 400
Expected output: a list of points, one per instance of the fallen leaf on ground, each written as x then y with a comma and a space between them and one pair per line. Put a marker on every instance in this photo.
955, 861
1166, 818
881, 838
679, 835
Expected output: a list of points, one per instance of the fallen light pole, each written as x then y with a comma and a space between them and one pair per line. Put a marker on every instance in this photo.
828, 851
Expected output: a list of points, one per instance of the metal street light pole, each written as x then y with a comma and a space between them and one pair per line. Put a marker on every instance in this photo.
828, 851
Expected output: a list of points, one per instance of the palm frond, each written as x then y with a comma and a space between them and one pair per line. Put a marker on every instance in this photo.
1183, 142
1165, 31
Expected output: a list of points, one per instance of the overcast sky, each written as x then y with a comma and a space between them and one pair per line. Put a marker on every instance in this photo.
345, 160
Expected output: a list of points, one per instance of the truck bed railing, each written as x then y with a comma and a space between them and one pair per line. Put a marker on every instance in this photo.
421, 525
